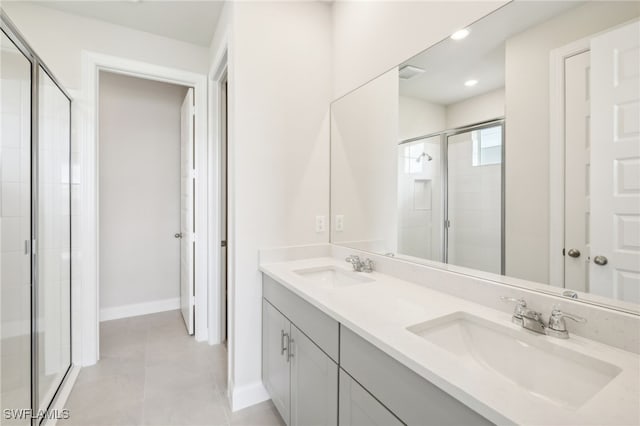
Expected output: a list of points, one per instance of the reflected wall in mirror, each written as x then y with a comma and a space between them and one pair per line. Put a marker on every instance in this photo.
511, 148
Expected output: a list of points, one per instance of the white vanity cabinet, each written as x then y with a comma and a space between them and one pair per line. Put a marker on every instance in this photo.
301, 378
319, 372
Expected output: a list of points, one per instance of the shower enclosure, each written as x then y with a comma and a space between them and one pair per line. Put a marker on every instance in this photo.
35, 232
451, 196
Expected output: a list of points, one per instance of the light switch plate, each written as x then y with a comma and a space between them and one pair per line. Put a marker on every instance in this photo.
320, 224
339, 222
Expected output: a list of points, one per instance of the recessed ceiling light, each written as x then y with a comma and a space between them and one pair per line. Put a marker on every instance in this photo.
460, 34
409, 71
470, 83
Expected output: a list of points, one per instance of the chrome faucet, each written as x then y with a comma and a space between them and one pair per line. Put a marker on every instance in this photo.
518, 311
532, 320
557, 326
360, 265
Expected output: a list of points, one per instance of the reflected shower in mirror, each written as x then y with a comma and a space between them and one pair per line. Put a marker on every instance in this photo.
516, 147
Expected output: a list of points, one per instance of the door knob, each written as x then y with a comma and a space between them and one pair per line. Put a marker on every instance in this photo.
574, 253
600, 260
178, 235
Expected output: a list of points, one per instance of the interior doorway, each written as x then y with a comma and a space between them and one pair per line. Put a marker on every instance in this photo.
146, 198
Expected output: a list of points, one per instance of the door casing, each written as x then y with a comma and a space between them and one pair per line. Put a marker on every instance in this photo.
86, 348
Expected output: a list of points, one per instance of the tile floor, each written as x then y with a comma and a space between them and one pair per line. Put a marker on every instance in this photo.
152, 373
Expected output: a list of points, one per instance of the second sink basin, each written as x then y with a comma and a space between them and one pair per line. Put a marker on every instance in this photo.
554, 373
333, 276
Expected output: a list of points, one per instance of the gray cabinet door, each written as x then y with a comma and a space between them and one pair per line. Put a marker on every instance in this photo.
314, 383
275, 365
359, 408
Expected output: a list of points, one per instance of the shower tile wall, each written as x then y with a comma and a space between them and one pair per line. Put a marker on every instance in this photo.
419, 198
474, 208
53, 295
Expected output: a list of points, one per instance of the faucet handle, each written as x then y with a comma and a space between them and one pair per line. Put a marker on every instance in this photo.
557, 326
368, 265
519, 310
557, 314
352, 258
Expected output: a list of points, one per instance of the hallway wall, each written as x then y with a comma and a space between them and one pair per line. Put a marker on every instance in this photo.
139, 184
280, 89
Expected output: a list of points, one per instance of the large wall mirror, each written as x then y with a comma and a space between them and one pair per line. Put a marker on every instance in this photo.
509, 151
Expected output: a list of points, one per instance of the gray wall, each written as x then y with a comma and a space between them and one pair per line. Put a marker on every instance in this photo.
139, 174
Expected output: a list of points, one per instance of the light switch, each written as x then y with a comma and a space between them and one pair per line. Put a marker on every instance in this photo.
319, 223
339, 222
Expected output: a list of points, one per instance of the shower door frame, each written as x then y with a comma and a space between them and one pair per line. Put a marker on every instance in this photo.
12, 33
444, 164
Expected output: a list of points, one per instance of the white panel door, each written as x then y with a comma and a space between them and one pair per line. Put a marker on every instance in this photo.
615, 163
187, 202
577, 158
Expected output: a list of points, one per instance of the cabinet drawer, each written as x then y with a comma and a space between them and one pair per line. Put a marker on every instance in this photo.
410, 397
322, 329
359, 408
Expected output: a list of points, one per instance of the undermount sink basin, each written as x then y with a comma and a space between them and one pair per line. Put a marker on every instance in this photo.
531, 362
332, 276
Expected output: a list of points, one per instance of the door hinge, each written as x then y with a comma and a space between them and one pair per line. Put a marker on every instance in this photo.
223, 243
563, 252
447, 223
193, 174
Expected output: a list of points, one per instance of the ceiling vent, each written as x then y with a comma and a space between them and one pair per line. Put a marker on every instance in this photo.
408, 71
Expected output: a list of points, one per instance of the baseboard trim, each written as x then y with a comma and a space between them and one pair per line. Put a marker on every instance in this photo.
248, 395
133, 310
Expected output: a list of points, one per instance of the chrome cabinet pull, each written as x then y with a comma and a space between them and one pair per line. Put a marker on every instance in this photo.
282, 348
289, 352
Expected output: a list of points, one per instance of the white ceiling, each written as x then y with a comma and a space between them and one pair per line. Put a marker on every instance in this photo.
190, 21
480, 56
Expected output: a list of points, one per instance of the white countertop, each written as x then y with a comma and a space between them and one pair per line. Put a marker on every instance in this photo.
380, 312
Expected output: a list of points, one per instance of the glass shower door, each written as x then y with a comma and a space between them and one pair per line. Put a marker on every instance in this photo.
53, 293
15, 231
475, 198
35, 233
